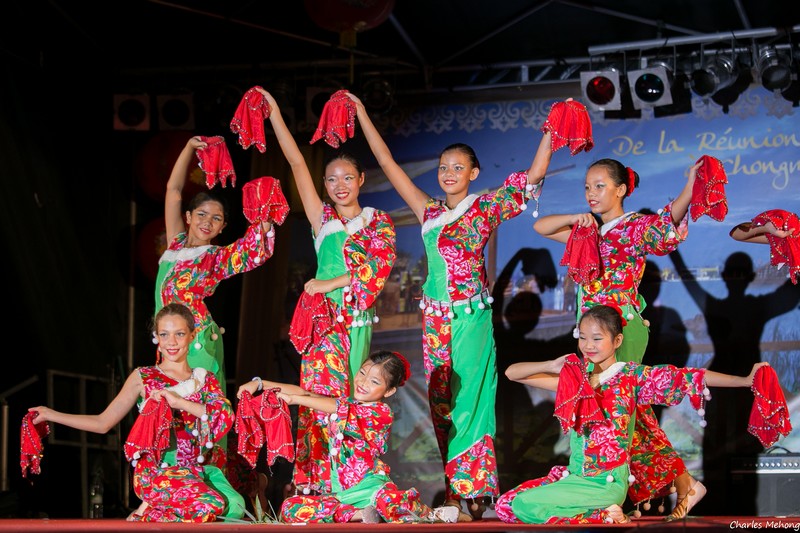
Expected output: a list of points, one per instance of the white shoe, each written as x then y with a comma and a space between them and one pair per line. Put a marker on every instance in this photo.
446, 513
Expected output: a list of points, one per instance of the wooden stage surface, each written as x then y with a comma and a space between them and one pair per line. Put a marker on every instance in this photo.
716, 523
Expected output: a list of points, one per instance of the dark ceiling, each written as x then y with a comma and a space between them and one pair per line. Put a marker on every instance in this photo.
419, 47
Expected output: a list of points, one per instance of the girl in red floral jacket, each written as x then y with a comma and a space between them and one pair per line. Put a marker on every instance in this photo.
596, 399
358, 428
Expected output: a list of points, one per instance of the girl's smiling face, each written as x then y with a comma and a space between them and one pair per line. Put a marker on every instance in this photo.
370, 384
174, 337
596, 343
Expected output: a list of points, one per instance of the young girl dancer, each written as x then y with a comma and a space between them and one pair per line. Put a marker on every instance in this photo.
599, 398
625, 240
355, 252
185, 484
359, 426
458, 340
191, 268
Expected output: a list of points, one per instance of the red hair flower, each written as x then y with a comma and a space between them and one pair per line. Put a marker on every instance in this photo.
407, 366
631, 181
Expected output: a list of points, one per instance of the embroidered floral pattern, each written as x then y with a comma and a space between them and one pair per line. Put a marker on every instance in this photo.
367, 253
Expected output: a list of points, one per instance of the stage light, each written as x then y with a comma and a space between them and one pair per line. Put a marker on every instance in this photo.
720, 72
650, 87
774, 69
681, 98
601, 90
727, 96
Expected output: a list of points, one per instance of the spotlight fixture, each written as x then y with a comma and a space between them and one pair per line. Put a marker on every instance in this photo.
720, 72
774, 69
601, 90
650, 87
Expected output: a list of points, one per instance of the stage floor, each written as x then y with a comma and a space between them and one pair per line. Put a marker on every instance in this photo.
487, 525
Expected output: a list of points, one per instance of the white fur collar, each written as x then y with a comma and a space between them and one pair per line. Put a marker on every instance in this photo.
450, 215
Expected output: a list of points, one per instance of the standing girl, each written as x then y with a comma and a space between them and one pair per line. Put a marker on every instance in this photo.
355, 252
185, 484
458, 341
192, 267
625, 239
601, 396
359, 426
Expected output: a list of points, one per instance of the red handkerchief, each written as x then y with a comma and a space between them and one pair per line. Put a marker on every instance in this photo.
708, 191
215, 161
569, 124
576, 404
31, 447
582, 255
783, 250
150, 432
769, 417
248, 121
260, 420
263, 200
337, 123
312, 319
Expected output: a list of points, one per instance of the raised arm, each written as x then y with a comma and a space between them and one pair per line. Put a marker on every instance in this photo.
102, 423
541, 160
312, 203
680, 206
558, 227
539, 374
173, 198
410, 193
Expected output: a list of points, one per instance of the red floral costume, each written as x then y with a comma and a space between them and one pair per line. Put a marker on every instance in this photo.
624, 245
598, 470
190, 275
359, 436
364, 248
180, 487
457, 320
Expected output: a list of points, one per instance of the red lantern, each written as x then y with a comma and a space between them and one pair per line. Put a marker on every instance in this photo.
348, 15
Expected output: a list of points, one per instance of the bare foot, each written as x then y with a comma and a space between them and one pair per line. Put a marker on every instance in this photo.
138, 513
616, 514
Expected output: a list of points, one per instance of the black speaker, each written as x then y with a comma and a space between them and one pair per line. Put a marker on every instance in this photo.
776, 479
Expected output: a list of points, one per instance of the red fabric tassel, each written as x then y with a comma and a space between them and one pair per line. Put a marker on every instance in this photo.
769, 417
263, 200
260, 420
569, 124
150, 432
337, 123
31, 447
248, 121
783, 250
215, 161
582, 255
576, 404
708, 191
